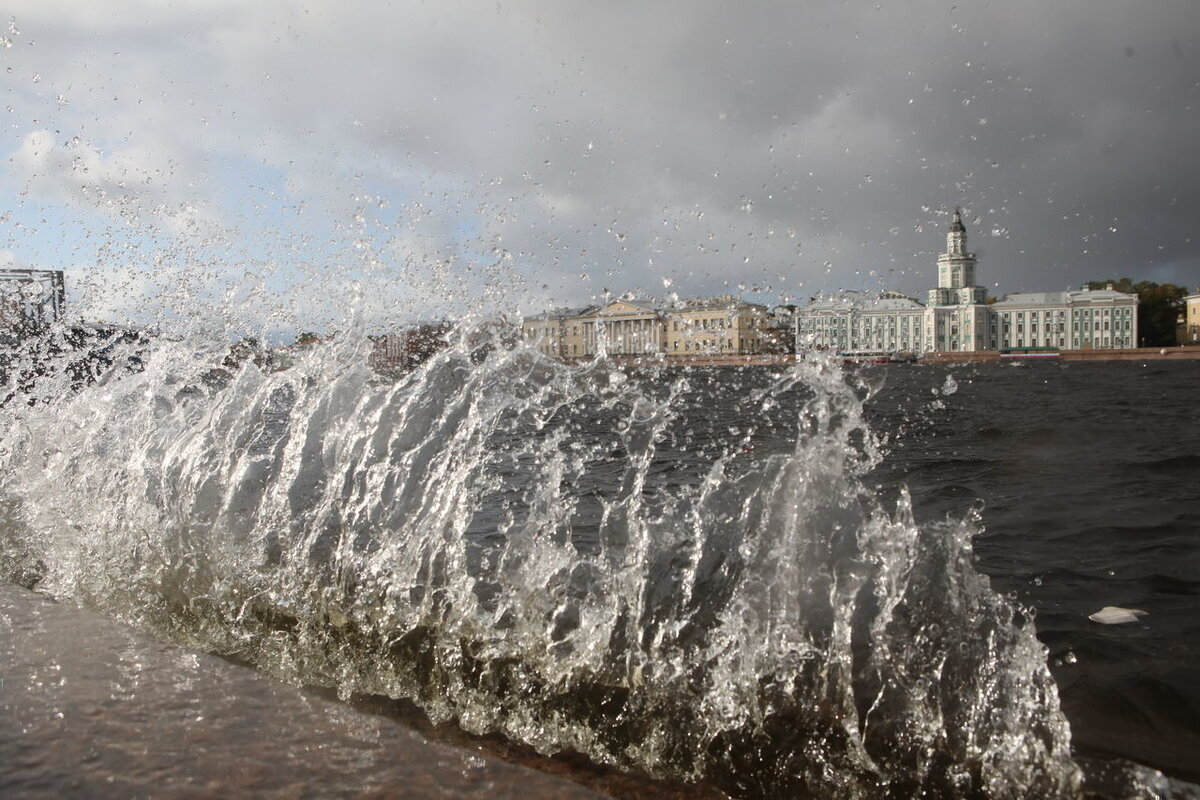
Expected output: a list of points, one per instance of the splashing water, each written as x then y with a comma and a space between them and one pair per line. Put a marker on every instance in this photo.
676, 571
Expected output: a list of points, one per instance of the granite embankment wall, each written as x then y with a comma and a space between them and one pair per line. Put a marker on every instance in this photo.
705, 361
1136, 354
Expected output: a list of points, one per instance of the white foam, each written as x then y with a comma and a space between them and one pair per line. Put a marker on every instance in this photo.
1115, 615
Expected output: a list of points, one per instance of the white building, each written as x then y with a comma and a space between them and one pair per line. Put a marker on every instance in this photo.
1084, 320
852, 322
957, 316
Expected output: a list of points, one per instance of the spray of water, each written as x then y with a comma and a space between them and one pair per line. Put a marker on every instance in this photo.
638, 566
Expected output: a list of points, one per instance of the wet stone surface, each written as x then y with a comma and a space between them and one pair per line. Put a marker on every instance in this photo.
91, 708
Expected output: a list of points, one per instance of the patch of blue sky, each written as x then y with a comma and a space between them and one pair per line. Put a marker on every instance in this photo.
54, 235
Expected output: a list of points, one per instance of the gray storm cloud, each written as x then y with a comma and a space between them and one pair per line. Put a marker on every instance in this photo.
785, 147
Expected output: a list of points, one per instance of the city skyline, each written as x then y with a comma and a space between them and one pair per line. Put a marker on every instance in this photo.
533, 155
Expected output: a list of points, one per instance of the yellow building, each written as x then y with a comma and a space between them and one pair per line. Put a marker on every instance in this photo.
714, 326
620, 328
1191, 320
559, 333
717, 326
624, 328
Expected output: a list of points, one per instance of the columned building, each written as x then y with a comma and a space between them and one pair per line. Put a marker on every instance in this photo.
623, 328
957, 316
619, 328
721, 325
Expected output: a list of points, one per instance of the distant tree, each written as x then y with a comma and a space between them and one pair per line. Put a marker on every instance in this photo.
1159, 305
426, 339
246, 348
308, 339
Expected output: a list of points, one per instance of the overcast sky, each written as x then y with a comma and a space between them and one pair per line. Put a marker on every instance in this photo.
523, 154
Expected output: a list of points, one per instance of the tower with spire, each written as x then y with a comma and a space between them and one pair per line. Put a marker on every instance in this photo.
956, 270
959, 318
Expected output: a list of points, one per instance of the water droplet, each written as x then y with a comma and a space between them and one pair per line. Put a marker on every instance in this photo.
747, 205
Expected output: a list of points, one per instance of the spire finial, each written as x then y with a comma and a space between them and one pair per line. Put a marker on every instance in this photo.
957, 225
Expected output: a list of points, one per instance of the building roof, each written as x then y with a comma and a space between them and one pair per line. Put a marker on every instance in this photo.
725, 302
1082, 297
1034, 299
1102, 296
560, 313
632, 307
863, 302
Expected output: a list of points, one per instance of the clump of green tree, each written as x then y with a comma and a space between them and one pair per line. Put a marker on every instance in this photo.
1159, 305
310, 339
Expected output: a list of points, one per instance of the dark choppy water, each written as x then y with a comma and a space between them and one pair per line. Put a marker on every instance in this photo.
1087, 477
704, 575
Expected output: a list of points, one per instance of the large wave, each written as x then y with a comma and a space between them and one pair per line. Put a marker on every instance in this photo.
662, 569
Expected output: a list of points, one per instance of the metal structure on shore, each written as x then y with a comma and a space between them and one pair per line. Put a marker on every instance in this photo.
30, 299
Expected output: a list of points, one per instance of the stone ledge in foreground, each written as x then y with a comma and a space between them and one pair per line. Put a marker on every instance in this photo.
91, 708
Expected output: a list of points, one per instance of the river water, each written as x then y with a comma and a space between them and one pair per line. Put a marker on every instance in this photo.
1087, 481
778, 582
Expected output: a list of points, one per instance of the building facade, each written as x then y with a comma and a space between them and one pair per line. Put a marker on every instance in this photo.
1191, 320
558, 333
718, 326
714, 326
957, 316
1100, 319
852, 322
